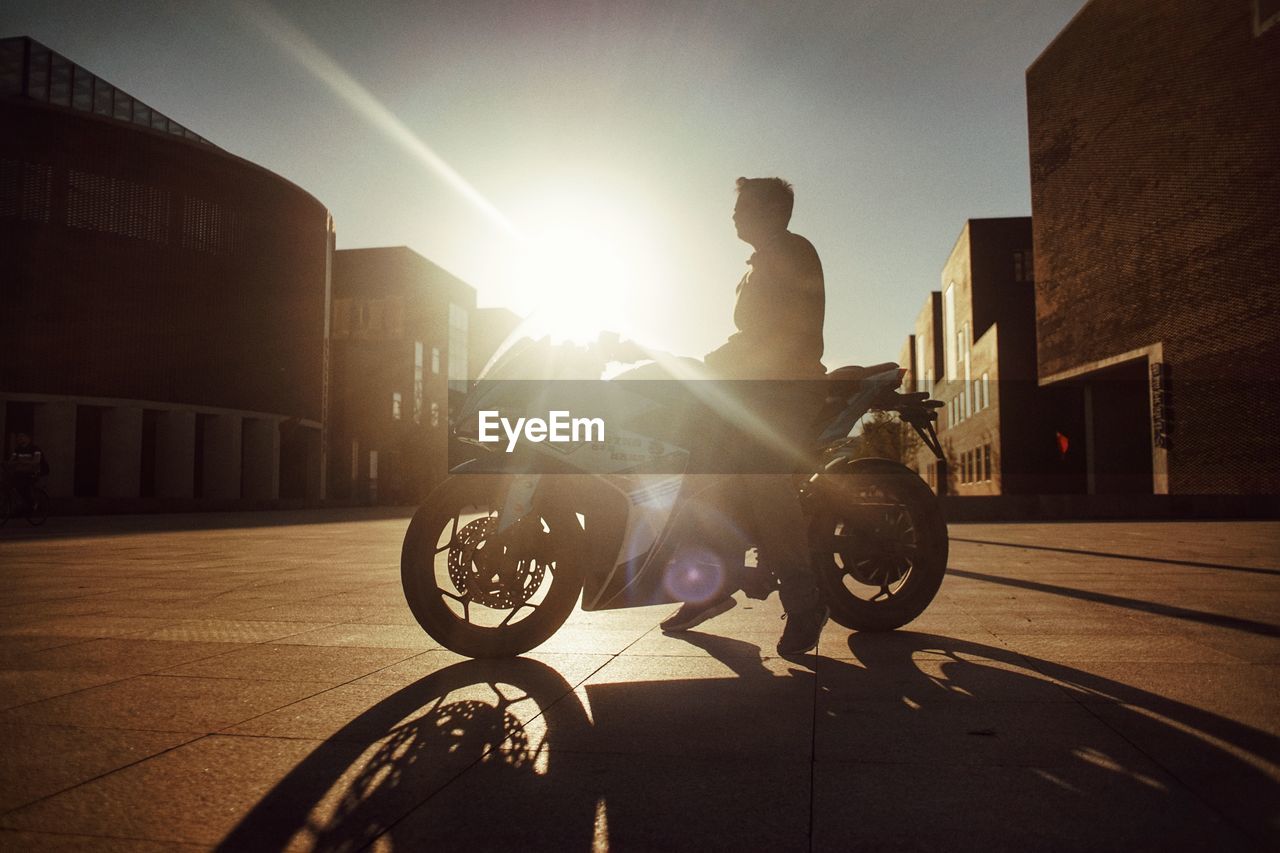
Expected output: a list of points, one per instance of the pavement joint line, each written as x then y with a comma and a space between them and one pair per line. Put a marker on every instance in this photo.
198, 737
1111, 555
182, 845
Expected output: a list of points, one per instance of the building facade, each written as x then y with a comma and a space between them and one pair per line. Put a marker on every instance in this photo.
490, 328
1155, 188
164, 335
401, 340
973, 348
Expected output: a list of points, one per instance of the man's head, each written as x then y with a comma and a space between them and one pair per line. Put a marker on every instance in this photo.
22, 439
763, 208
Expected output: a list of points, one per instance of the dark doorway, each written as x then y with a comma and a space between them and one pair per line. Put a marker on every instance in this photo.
293, 461
18, 417
88, 464
1117, 404
197, 474
147, 462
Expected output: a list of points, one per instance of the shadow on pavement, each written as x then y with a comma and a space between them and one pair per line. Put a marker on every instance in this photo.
921, 742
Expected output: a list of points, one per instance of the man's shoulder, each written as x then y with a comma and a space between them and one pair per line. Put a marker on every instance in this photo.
796, 254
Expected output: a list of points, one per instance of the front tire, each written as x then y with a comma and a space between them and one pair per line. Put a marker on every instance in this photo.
484, 594
878, 544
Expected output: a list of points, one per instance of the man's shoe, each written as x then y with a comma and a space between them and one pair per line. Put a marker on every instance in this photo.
694, 613
803, 630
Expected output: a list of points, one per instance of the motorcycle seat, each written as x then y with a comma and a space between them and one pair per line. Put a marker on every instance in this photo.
854, 372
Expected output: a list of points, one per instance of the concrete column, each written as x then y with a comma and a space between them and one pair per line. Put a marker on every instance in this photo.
55, 434
120, 470
175, 454
261, 455
222, 457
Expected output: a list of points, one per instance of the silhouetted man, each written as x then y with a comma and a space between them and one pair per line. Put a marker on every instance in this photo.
779, 313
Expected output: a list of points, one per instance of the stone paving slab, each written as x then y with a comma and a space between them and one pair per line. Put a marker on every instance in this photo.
258, 681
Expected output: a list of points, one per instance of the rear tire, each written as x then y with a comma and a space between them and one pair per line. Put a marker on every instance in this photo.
444, 546
878, 544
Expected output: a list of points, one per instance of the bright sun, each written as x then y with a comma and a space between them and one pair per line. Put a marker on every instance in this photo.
587, 265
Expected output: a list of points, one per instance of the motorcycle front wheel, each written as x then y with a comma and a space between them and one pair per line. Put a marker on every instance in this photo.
484, 593
878, 545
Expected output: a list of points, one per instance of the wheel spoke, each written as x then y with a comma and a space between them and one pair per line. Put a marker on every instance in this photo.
514, 611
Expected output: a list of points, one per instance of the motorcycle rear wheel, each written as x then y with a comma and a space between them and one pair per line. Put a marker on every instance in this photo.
878, 545
455, 587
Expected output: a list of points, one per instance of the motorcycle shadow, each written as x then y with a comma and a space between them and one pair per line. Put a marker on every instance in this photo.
733, 750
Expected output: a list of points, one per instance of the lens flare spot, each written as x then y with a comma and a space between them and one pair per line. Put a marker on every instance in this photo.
694, 575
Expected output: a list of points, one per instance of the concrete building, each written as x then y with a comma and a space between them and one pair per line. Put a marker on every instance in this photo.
401, 338
164, 331
973, 348
490, 327
1155, 190
924, 366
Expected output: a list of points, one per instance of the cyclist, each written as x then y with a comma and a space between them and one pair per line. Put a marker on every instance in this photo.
26, 465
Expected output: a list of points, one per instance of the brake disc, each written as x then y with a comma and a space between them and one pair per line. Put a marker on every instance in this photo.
480, 578
871, 565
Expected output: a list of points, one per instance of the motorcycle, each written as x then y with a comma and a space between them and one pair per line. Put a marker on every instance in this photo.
500, 553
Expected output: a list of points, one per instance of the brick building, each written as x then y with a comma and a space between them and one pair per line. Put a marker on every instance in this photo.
973, 348
1155, 184
164, 329
400, 345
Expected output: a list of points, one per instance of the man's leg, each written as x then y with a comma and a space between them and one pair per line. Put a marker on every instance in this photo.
783, 541
715, 542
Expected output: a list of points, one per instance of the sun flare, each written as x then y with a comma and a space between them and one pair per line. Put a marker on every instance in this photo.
587, 265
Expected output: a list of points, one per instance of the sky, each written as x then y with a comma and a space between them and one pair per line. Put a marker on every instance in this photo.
576, 160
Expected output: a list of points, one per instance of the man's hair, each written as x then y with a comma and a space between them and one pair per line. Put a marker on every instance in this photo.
772, 192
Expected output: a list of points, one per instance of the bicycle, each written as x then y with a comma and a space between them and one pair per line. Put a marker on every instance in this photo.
37, 512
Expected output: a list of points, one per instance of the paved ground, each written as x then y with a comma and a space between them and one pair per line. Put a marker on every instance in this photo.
1083, 686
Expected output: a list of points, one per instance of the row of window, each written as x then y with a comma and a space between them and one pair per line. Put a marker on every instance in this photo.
116, 206
973, 398
30, 69
397, 410
975, 465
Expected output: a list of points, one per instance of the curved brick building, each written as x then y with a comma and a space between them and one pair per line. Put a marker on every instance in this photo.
164, 332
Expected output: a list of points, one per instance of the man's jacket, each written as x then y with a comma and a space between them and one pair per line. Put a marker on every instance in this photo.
779, 313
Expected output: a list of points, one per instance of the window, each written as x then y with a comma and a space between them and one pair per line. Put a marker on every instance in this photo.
457, 347
986, 463
395, 405
60, 81
1023, 267
102, 94
81, 90
986, 390
435, 414
435, 360
417, 381
922, 371
949, 329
